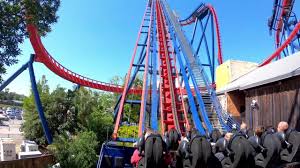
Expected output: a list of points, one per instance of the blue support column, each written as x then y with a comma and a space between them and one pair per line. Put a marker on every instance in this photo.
198, 94
11, 78
191, 100
194, 31
206, 46
38, 101
154, 92
286, 27
186, 81
202, 36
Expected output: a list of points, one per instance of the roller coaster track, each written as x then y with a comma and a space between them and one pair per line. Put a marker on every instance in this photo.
172, 111
283, 46
285, 13
200, 78
201, 12
42, 55
172, 108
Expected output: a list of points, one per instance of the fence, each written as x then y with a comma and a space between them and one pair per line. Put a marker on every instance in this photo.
37, 162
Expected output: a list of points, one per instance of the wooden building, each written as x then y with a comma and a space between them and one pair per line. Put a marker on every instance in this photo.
266, 95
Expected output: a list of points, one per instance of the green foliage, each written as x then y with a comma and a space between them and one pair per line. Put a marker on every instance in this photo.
12, 32
10, 98
13, 25
128, 131
41, 13
61, 112
85, 103
80, 120
95, 111
69, 111
77, 151
101, 123
131, 112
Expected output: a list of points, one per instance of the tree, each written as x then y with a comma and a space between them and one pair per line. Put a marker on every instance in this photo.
61, 112
100, 120
131, 111
95, 111
76, 151
80, 120
101, 123
85, 103
14, 15
69, 111
6, 95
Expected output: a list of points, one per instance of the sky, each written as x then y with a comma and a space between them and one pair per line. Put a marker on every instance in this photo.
95, 38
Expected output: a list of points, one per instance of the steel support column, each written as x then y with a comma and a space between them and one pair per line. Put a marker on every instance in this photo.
38, 101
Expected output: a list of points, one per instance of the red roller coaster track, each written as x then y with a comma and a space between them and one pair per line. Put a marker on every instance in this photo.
172, 111
220, 56
286, 4
44, 57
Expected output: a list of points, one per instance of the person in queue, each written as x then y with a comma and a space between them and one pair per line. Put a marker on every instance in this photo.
259, 130
244, 130
256, 140
135, 158
282, 126
221, 146
154, 148
228, 136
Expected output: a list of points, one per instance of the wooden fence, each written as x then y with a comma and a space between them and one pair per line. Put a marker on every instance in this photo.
37, 162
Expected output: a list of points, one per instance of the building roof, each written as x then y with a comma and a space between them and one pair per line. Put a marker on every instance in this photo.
275, 71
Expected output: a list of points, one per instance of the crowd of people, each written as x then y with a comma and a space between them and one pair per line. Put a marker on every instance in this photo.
154, 150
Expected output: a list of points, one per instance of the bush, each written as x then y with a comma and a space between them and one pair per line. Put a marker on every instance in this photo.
77, 151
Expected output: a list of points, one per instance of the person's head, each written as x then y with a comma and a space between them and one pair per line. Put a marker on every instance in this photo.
182, 138
149, 131
259, 130
135, 144
144, 132
282, 126
243, 126
228, 136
